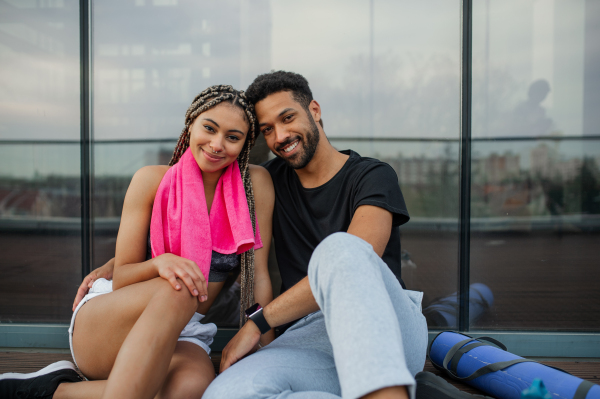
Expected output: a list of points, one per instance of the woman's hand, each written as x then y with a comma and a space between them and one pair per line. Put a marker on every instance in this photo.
106, 271
172, 267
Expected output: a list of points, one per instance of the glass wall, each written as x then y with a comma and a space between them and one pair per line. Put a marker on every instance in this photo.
40, 194
374, 89
147, 70
387, 76
535, 202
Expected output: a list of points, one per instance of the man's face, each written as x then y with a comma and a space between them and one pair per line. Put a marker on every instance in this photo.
291, 133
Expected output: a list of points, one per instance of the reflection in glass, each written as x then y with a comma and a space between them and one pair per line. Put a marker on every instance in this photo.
535, 200
40, 224
40, 231
428, 176
148, 69
380, 70
115, 165
386, 74
39, 70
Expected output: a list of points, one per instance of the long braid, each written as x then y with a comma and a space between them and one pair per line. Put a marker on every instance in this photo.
207, 99
247, 261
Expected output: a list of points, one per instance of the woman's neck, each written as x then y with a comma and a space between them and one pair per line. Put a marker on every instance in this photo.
210, 180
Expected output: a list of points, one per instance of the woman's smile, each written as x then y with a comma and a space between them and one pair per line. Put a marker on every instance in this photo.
211, 157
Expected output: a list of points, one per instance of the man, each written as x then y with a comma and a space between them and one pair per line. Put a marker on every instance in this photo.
358, 332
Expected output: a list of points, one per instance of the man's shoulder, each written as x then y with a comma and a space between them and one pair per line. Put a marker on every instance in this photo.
357, 167
365, 166
272, 164
276, 167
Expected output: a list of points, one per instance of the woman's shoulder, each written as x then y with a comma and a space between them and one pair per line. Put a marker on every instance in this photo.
260, 176
151, 173
146, 180
264, 193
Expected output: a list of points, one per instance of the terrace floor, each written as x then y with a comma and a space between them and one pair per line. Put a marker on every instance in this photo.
28, 361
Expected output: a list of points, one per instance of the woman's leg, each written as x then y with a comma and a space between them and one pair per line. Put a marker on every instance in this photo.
129, 337
190, 372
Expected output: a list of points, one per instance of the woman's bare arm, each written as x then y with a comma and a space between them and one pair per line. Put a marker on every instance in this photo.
130, 254
133, 230
264, 198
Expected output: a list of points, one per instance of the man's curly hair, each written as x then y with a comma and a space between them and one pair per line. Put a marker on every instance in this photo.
274, 82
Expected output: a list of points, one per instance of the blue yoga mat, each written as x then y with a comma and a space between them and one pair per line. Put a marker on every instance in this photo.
443, 312
509, 382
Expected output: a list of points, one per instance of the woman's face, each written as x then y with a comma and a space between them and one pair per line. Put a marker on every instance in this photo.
217, 136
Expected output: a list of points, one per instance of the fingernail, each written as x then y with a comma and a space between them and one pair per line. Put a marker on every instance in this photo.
195, 292
204, 298
177, 287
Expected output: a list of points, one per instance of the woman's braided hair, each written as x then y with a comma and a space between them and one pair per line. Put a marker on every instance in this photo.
207, 99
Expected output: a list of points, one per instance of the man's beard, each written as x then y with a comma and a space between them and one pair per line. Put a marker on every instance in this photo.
309, 146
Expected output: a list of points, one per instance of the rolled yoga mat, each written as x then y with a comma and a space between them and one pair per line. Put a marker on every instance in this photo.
500, 373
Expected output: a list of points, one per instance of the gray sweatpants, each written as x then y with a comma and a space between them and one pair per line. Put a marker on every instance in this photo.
369, 334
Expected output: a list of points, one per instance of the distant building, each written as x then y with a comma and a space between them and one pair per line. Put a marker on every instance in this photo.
545, 163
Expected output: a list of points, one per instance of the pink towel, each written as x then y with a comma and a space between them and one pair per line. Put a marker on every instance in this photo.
180, 221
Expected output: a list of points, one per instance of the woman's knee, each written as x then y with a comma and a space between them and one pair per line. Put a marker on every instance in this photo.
179, 299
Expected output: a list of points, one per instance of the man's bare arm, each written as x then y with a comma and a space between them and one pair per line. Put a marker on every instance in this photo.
372, 224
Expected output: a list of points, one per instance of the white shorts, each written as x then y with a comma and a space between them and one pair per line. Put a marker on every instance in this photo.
194, 332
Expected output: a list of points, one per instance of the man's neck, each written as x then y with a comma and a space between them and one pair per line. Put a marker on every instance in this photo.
325, 164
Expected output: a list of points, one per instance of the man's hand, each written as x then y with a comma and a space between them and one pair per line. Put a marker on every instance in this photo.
106, 271
242, 344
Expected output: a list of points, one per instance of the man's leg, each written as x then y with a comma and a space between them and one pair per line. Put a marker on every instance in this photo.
297, 365
376, 329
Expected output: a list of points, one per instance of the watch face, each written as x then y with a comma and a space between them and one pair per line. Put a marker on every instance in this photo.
252, 309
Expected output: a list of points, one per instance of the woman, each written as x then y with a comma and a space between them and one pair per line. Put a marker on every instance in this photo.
138, 341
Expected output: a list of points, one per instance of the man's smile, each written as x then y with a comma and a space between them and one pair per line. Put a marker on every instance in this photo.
289, 148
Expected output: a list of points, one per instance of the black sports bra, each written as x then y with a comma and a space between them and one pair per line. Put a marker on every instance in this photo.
220, 264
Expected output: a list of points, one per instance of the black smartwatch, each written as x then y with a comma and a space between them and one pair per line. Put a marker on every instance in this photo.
255, 313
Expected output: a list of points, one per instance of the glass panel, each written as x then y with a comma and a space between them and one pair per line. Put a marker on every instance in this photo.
536, 163
40, 223
428, 175
115, 164
389, 77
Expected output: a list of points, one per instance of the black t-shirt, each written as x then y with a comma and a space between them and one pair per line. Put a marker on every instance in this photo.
303, 217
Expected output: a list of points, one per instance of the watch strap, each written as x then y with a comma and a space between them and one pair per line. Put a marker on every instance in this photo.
259, 319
